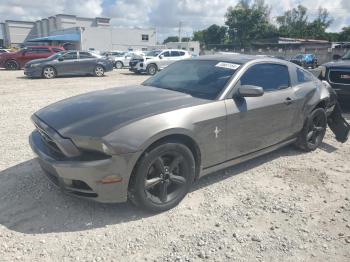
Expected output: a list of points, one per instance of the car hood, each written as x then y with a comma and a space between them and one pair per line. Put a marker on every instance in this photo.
97, 114
339, 63
38, 61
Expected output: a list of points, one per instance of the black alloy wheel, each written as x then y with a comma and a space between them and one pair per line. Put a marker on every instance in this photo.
12, 65
163, 177
314, 130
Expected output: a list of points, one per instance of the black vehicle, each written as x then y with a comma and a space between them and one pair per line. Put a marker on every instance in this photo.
337, 74
305, 60
68, 63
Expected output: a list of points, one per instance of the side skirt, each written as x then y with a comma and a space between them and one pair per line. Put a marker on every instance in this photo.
246, 157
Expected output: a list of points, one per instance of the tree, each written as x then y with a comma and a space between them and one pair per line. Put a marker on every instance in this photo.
344, 35
295, 23
171, 39
248, 22
213, 35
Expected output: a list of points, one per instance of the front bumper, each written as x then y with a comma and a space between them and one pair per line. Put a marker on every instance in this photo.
83, 178
33, 71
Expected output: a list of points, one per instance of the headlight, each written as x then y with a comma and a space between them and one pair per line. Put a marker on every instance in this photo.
34, 65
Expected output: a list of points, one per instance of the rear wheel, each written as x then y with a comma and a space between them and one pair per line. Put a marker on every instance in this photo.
99, 71
314, 130
152, 69
12, 65
119, 65
49, 72
163, 177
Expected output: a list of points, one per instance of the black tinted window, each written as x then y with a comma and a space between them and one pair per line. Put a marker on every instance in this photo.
166, 54
303, 76
85, 55
268, 76
70, 56
199, 78
38, 50
182, 53
175, 53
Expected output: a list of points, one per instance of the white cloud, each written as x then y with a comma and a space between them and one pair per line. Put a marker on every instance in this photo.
165, 15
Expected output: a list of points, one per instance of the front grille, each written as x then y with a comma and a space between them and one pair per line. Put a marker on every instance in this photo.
134, 62
49, 142
339, 77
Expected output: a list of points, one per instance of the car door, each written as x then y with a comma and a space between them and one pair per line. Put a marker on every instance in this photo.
164, 59
255, 123
87, 63
68, 64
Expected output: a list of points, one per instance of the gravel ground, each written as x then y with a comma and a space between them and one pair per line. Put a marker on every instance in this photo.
284, 206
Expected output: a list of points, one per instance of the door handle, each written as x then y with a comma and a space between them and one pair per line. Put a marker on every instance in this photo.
288, 101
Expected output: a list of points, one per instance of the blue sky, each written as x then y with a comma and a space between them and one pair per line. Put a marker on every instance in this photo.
165, 15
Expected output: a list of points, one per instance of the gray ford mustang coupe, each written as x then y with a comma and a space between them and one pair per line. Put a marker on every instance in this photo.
150, 142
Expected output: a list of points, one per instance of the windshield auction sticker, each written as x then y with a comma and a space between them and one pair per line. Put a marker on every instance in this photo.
227, 65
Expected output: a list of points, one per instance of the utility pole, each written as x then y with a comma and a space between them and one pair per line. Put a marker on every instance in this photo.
180, 27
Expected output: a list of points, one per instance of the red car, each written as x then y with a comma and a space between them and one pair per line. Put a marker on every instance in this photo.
17, 60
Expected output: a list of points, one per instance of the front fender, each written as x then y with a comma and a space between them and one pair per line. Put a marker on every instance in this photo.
139, 135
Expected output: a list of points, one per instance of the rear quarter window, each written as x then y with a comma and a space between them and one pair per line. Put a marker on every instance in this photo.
303, 76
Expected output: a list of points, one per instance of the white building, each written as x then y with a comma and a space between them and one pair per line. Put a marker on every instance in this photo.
80, 32
191, 46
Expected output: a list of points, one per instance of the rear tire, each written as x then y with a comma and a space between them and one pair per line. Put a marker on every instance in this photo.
313, 131
11, 65
152, 69
99, 71
49, 72
163, 177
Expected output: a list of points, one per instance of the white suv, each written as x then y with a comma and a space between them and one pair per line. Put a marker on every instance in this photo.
154, 61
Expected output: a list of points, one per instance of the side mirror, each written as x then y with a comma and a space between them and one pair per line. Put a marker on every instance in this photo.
250, 91
161, 56
60, 59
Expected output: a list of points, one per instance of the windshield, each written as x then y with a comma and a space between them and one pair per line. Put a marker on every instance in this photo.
57, 55
346, 56
153, 53
199, 78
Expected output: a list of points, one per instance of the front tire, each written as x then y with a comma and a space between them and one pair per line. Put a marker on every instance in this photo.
119, 65
314, 130
49, 72
152, 69
11, 65
163, 177
99, 71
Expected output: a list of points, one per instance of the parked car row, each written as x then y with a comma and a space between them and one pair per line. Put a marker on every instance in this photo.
52, 61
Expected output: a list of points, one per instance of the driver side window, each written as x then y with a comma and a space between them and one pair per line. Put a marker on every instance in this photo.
70, 56
270, 77
166, 54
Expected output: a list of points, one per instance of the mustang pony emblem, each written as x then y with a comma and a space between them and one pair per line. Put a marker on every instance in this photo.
217, 132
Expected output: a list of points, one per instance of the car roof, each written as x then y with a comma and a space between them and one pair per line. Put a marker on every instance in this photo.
237, 59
